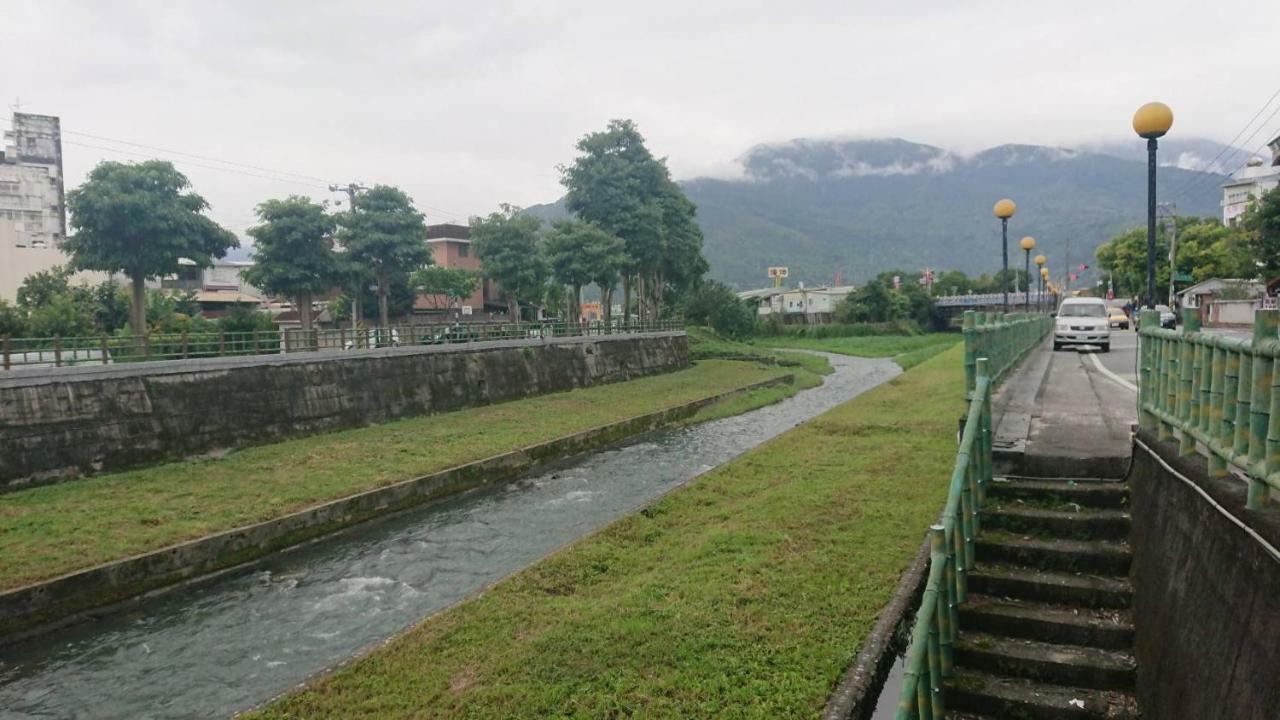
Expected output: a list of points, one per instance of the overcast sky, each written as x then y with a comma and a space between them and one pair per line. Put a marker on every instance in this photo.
470, 104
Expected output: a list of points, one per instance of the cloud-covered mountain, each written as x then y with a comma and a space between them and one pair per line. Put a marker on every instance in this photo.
858, 207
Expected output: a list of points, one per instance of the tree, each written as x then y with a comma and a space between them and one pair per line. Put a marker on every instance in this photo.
506, 244
293, 251
619, 185
387, 235
13, 322
579, 253
445, 287
1261, 223
1206, 248
40, 288
139, 219
713, 303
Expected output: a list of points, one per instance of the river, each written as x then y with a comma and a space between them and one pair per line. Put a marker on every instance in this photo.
223, 646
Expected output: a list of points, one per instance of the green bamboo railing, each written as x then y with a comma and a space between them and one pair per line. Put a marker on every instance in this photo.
993, 347
1002, 340
929, 661
1220, 394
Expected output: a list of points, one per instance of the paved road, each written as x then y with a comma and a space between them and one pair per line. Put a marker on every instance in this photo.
1122, 361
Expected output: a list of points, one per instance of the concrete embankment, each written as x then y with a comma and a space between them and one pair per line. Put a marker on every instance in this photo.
57, 423
36, 607
1205, 573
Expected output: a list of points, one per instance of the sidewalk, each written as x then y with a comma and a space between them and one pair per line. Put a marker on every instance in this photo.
1059, 416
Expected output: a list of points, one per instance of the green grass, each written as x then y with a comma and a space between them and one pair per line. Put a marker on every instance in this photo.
48, 531
745, 594
907, 350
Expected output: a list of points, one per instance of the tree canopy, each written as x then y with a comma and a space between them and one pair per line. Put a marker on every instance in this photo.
385, 234
140, 219
1205, 248
579, 253
293, 251
446, 286
1261, 223
507, 244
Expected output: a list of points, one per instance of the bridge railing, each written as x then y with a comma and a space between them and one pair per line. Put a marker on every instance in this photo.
929, 656
108, 349
1003, 340
1220, 393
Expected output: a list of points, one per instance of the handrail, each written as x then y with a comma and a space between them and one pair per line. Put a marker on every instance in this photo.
1003, 340
929, 656
1220, 394
106, 349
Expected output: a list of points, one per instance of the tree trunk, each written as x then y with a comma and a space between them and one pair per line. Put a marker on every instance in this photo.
513, 307
303, 302
626, 300
642, 291
357, 305
606, 307
657, 296
138, 304
384, 319
575, 313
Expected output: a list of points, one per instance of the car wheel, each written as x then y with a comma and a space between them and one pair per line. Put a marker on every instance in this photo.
1106, 348
1057, 346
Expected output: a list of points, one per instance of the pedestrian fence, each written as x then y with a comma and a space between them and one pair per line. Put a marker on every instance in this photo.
1220, 393
107, 349
993, 345
1002, 340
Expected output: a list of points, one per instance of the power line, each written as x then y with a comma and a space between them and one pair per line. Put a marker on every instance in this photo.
200, 165
1198, 182
1231, 144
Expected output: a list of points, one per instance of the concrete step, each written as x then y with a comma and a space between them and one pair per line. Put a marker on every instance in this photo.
1104, 557
1068, 524
1107, 629
1061, 588
1113, 494
1004, 697
1072, 665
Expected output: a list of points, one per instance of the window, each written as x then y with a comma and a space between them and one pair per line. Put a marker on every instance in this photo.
463, 250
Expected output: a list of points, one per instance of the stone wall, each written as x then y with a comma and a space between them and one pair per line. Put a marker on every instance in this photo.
59, 423
1206, 607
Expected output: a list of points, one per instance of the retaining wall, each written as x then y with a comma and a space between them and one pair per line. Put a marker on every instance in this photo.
1206, 607
57, 423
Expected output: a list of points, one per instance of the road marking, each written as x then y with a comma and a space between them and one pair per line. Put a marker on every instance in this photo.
1098, 364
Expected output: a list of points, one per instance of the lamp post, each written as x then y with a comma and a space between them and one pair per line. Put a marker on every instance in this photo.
1027, 244
1040, 261
1004, 210
1044, 278
1152, 121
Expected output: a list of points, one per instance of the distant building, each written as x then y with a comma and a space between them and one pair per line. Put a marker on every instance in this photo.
1250, 183
813, 306
451, 248
1224, 301
217, 288
33, 219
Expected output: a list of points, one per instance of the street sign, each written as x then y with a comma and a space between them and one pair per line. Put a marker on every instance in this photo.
1182, 277
466, 309
779, 272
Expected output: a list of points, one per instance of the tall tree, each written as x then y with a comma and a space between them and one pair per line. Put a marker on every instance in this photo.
139, 219
387, 235
1262, 225
293, 251
618, 184
507, 245
579, 253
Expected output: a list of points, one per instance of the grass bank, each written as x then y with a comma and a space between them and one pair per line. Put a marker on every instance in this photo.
744, 594
906, 350
52, 530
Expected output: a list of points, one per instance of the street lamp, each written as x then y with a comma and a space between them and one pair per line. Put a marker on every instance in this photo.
1152, 121
1027, 244
1040, 260
1044, 279
1004, 210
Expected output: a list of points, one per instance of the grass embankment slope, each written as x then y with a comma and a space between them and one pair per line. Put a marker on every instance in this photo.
744, 594
906, 350
48, 531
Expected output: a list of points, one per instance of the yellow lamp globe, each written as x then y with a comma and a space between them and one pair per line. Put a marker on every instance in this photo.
1004, 209
1044, 273
1152, 120
1040, 260
1027, 243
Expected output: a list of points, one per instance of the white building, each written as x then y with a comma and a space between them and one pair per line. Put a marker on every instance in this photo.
32, 209
1250, 183
798, 305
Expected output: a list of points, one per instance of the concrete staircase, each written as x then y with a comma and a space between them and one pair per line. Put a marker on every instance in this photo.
1047, 632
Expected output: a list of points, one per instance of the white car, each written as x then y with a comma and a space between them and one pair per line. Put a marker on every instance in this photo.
1082, 321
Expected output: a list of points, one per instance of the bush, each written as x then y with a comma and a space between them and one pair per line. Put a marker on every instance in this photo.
714, 304
773, 328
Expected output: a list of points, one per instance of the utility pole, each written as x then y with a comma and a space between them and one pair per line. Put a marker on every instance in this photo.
352, 190
1066, 292
1171, 212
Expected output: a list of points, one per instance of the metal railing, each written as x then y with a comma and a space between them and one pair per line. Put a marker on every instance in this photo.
107, 349
1016, 299
1220, 393
929, 656
1002, 340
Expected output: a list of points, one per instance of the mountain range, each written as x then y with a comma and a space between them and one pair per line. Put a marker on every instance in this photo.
853, 208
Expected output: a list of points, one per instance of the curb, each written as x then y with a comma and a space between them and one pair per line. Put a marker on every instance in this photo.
45, 605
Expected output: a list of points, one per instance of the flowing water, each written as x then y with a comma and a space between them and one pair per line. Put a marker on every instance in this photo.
226, 645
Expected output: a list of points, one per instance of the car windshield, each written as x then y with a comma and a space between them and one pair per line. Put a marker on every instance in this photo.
1083, 310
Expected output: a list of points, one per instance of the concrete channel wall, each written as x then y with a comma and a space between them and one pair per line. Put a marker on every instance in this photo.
41, 606
1206, 605
58, 423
